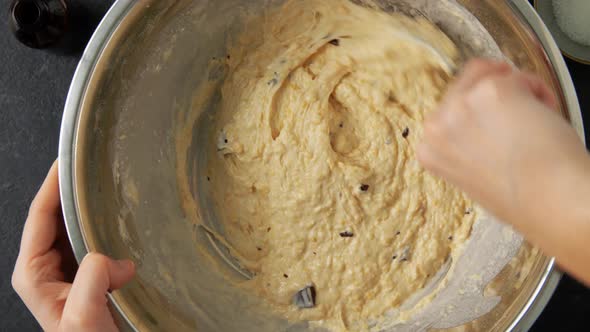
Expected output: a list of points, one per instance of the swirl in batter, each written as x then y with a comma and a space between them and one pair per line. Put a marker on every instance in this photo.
314, 175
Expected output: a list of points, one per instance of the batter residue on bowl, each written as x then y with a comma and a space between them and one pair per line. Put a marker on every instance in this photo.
312, 166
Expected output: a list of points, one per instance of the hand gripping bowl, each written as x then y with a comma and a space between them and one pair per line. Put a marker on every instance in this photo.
118, 158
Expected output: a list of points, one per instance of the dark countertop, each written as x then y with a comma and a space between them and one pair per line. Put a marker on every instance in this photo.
33, 87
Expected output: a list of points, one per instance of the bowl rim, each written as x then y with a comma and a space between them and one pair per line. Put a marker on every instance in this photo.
68, 133
101, 38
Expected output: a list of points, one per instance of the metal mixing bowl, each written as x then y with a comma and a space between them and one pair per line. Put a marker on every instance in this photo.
142, 66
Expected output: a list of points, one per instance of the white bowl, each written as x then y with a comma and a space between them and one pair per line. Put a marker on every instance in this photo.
569, 48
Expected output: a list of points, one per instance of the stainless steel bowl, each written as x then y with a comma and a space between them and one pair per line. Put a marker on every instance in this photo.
140, 67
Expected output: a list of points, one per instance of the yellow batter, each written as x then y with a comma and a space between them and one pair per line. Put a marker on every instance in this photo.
313, 171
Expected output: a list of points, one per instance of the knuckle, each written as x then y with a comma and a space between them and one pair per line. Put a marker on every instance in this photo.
490, 87
441, 127
17, 282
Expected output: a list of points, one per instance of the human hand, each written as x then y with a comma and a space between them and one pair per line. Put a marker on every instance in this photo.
497, 136
42, 278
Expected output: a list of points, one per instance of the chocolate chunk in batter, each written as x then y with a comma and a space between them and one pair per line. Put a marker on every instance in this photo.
406, 132
305, 298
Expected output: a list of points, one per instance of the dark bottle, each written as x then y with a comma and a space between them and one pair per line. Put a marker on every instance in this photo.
39, 23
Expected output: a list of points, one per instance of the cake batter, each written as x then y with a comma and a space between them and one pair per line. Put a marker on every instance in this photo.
312, 165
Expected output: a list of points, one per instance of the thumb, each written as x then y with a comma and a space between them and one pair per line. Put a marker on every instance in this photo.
87, 300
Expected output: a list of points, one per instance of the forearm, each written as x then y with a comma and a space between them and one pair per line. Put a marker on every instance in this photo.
555, 215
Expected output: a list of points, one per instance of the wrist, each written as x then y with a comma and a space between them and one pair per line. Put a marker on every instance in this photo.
575, 196
556, 213
565, 233
546, 188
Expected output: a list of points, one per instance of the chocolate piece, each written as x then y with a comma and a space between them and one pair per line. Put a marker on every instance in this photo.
305, 298
406, 132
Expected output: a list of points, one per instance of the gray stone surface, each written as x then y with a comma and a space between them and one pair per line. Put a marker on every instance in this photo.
33, 88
